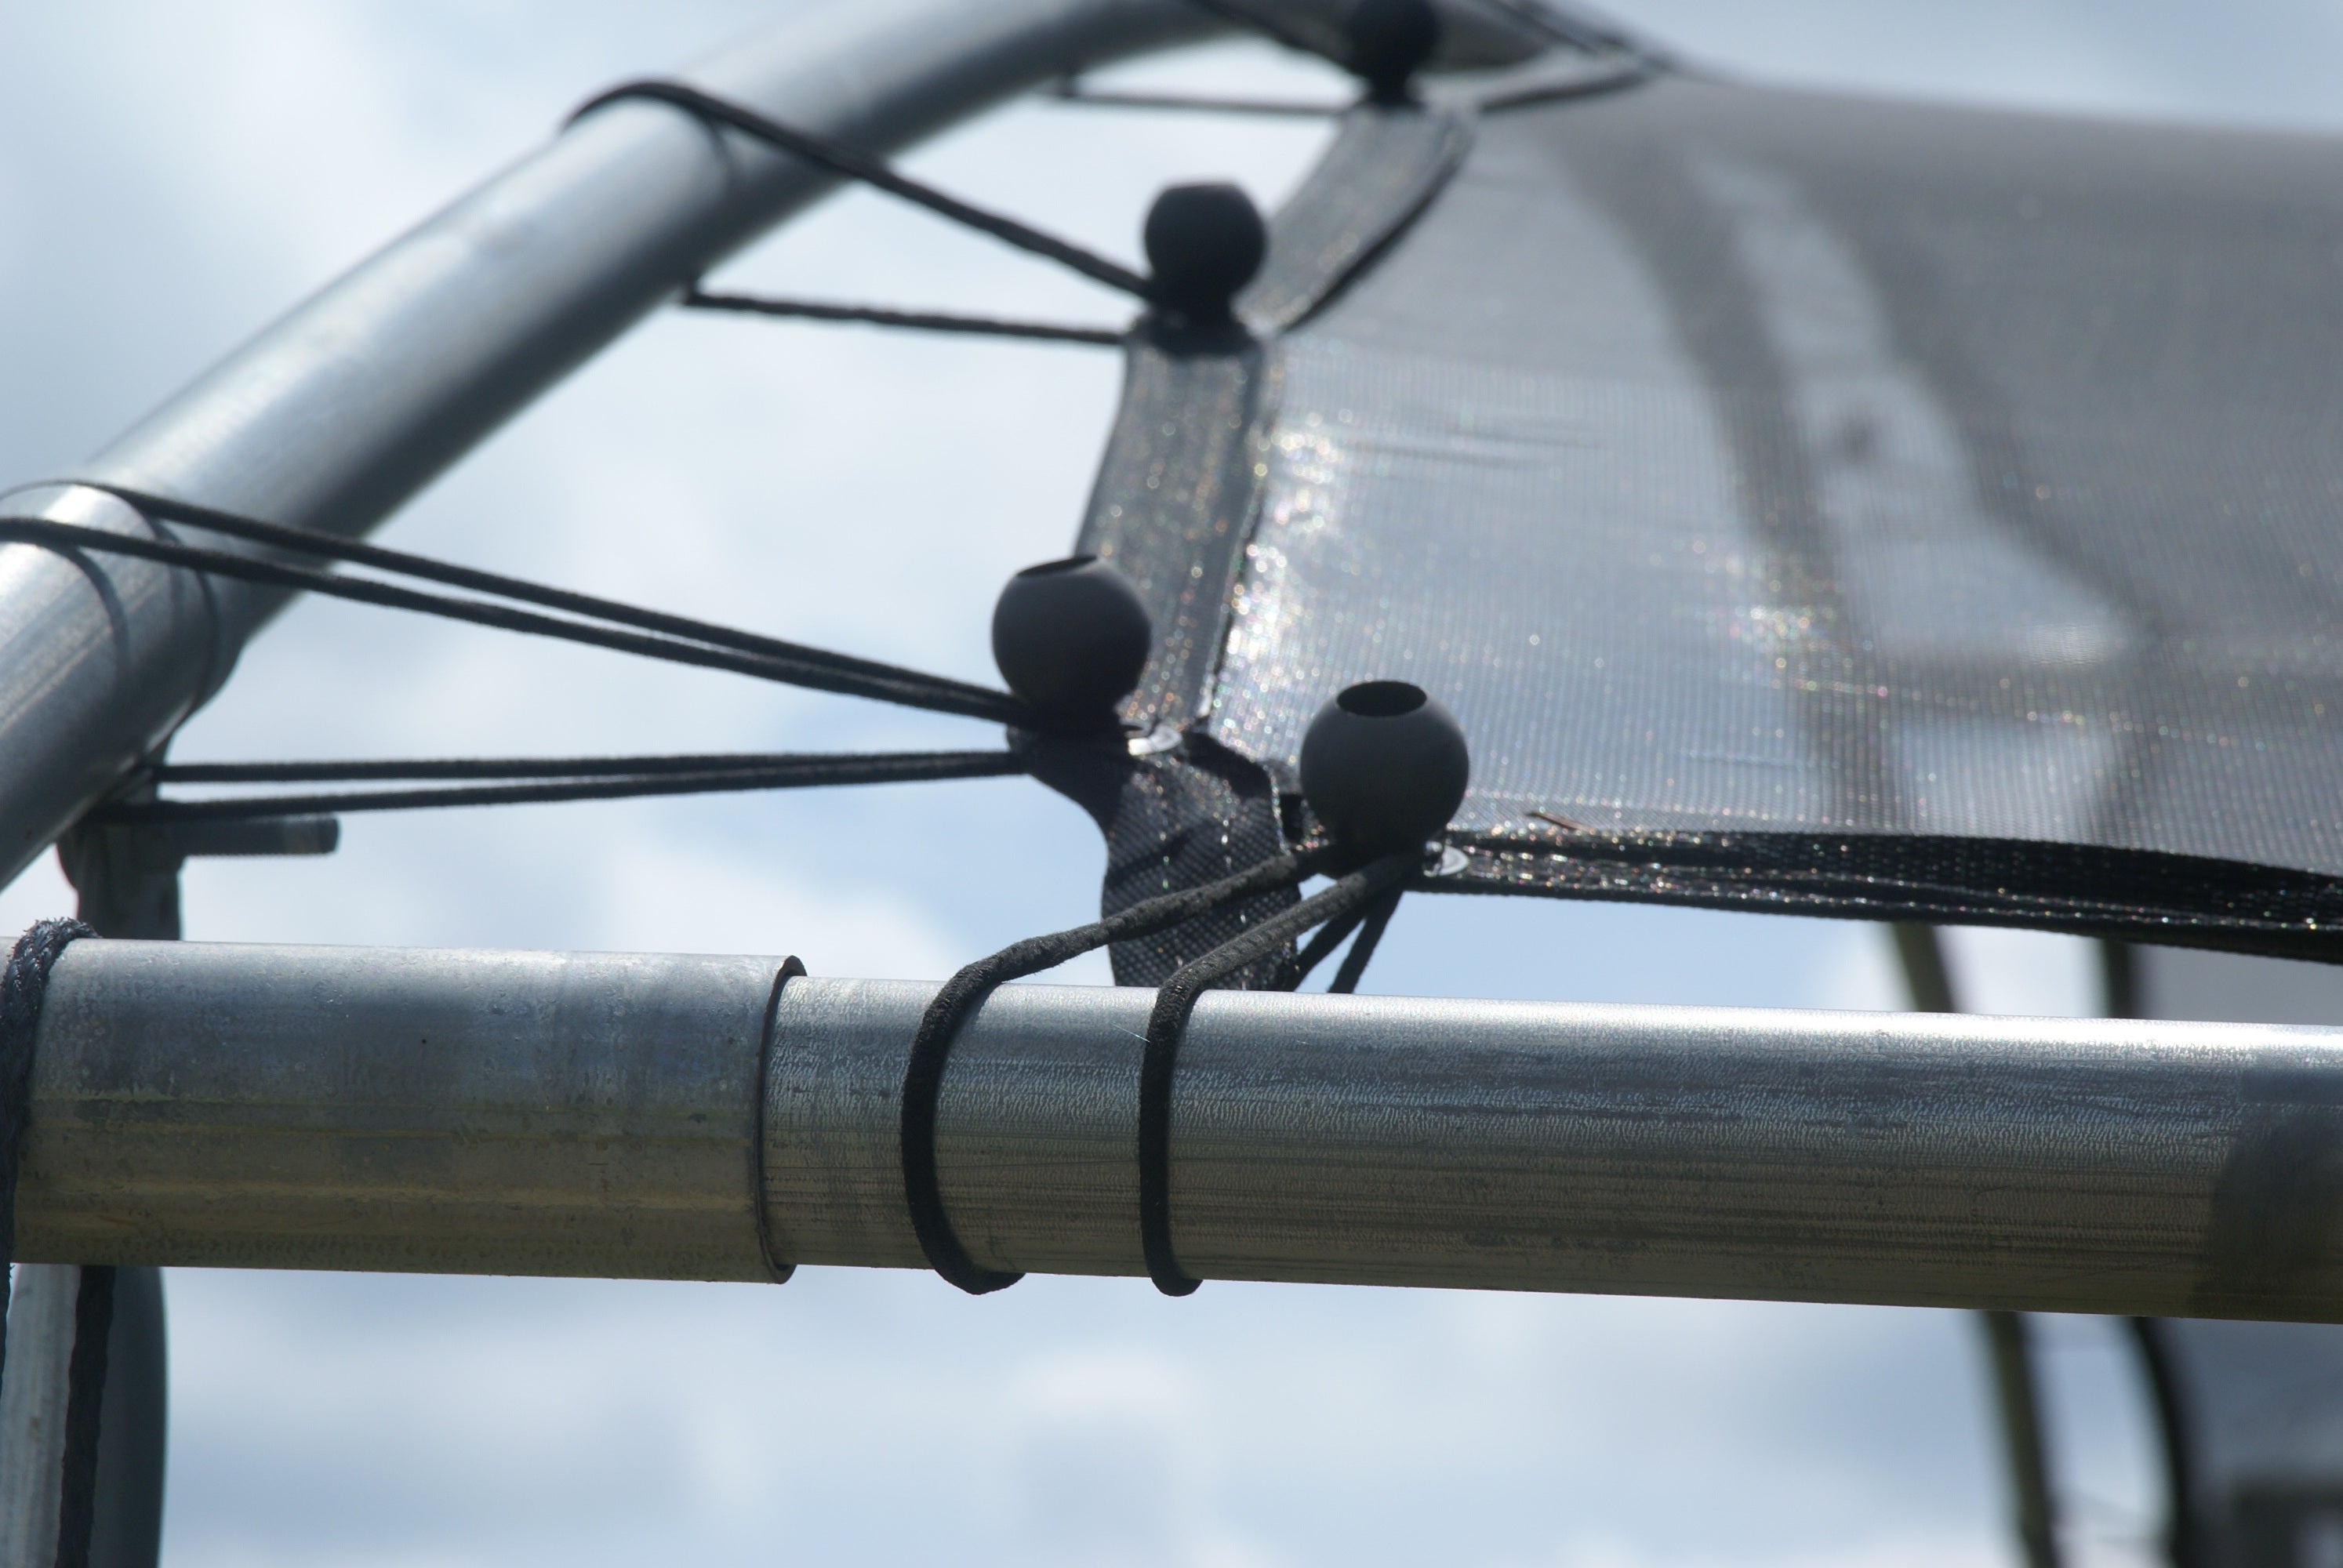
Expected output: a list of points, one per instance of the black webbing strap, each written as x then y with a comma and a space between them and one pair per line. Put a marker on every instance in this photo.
1362, 890
651, 634
2081, 890
23, 985
931, 1042
856, 164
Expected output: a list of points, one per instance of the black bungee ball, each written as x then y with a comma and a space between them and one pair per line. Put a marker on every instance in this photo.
1384, 766
1071, 637
1204, 242
1391, 41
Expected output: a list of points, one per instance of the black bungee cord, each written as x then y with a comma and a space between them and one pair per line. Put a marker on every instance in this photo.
1384, 765
24, 985
1386, 42
1383, 768
938, 1026
855, 165
523, 782
586, 619
1167, 1023
1205, 243
699, 298
674, 638
1074, 90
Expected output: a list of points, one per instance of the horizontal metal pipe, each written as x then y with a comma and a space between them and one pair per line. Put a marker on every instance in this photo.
602, 1114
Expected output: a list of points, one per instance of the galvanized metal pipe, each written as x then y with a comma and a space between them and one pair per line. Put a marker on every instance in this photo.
597, 1114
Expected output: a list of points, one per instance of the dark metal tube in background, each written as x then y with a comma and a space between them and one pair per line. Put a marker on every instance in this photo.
2009, 1345
599, 1114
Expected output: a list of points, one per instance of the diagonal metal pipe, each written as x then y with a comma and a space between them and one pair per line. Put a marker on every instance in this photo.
643, 1115
337, 413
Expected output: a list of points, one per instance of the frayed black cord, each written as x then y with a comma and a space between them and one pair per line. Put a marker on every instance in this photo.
23, 984
932, 1043
712, 647
855, 165
915, 320
1169, 1021
609, 779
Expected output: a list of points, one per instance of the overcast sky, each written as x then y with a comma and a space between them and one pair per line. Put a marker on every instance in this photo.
172, 177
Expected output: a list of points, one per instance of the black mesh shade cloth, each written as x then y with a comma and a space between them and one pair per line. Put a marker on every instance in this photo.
1822, 504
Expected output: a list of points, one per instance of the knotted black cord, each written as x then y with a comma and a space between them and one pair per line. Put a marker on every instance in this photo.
855, 165
611, 779
680, 640
1361, 889
23, 984
931, 1042
696, 298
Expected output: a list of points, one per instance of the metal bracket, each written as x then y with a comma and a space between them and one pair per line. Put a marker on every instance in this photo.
128, 873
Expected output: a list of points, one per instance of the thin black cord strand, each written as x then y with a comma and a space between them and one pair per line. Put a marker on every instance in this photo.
1173, 1005
503, 767
913, 320
1075, 92
1328, 938
905, 688
856, 164
448, 574
931, 1042
798, 772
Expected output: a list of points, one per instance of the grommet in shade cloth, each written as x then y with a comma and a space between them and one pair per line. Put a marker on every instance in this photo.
1384, 766
1204, 242
1391, 41
1071, 637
